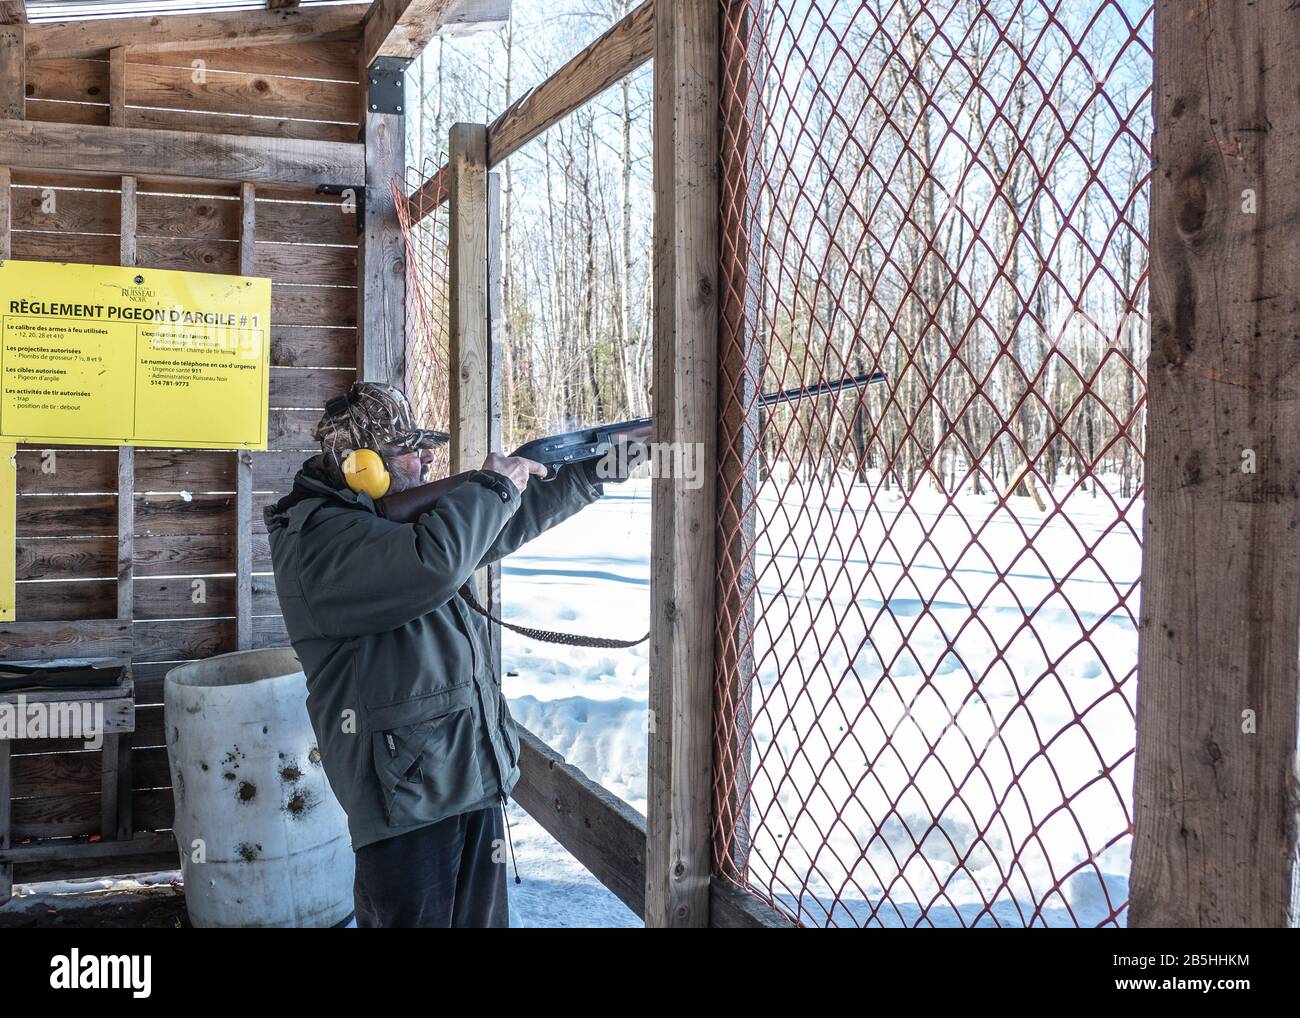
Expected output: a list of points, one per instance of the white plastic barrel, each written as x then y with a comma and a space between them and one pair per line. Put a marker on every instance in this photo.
263, 841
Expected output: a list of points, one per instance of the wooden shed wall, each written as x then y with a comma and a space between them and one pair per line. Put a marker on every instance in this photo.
184, 587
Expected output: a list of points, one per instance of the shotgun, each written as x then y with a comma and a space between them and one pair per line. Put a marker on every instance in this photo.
587, 444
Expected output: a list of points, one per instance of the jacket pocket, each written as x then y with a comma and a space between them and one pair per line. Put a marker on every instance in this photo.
425, 755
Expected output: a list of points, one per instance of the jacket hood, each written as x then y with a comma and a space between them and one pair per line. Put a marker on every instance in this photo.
313, 481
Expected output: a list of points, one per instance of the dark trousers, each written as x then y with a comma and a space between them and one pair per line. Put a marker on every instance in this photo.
449, 874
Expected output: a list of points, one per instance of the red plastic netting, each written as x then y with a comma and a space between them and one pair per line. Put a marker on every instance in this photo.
422, 214
927, 638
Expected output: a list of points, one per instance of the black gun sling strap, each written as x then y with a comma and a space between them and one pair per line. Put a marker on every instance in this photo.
547, 636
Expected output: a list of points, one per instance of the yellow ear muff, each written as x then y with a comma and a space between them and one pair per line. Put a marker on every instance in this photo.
364, 470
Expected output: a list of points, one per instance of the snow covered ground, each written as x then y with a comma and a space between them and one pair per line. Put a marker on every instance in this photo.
927, 734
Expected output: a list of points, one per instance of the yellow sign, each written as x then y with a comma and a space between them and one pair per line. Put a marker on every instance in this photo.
101, 355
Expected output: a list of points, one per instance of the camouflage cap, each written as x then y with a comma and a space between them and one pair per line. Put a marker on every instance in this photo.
372, 415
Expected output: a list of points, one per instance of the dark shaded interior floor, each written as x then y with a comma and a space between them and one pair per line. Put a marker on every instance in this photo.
145, 908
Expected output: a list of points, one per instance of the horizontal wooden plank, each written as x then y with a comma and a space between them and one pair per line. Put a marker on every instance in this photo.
314, 305
66, 515
157, 514
48, 558
733, 909
182, 640
335, 61
217, 91
306, 263
86, 248
46, 640
148, 732
308, 387
68, 816
292, 429
169, 215
65, 210
599, 829
307, 222
70, 600
65, 470
69, 866
60, 558
105, 851
294, 346
141, 151
209, 31
42, 111
70, 80
188, 254
172, 554
79, 772
231, 123
155, 184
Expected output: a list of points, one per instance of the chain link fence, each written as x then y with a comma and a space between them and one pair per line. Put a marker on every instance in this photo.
928, 593
422, 215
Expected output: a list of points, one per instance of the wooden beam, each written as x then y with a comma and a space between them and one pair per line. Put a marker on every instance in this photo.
1215, 795
240, 29
616, 54
402, 28
469, 356
44, 641
683, 517
608, 836
595, 826
491, 575
182, 154
60, 851
117, 86
13, 73
13, 12
244, 458
733, 909
381, 260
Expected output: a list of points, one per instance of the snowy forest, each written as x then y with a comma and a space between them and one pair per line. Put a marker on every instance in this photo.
952, 193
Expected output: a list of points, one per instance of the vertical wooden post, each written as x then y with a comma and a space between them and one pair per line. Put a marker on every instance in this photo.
13, 72
115, 772
491, 588
471, 361
740, 371
244, 458
1215, 797
683, 520
469, 352
381, 262
117, 86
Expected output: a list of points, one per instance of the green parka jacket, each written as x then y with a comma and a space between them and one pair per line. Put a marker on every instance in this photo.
409, 715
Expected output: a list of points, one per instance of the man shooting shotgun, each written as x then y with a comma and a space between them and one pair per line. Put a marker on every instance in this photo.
374, 570
414, 732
